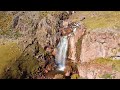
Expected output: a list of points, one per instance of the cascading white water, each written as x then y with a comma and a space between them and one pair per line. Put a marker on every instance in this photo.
61, 53
62, 48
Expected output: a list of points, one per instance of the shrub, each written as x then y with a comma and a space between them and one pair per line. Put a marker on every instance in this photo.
75, 76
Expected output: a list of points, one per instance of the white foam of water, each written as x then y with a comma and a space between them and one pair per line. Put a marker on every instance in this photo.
61, 68
61, 53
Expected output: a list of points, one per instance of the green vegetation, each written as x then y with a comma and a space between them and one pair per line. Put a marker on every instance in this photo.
108, 61
8, 55
103, 19
10, 33
78, 48
28, 64
75, 76
45, 13
82, 77
5, 21
107, 76
98, 19
17, 34
12, 72
5, 26
25, 67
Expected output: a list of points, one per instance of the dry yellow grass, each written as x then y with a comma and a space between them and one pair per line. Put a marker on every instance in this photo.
5, 21
8, 54
98, 19
103, 19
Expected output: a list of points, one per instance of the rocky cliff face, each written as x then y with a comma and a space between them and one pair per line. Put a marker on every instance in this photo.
100, 43
73, 39
32, 25
100, 53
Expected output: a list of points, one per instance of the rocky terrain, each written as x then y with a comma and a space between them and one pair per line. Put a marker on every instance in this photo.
29, 40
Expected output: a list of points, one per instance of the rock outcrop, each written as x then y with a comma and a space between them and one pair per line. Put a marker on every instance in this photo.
93, 71
100, 43
73, 39
46, 32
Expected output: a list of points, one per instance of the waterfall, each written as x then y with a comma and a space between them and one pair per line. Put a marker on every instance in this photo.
61, 53
62, 47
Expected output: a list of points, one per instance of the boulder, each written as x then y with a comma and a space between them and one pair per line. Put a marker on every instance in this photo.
66, 31
54, 52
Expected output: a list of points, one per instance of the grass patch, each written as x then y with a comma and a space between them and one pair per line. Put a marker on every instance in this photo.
78, 48
107, 76
8, 54
53, 13
28, 64
24, 67
108, 61
75, 76
103, 19
98, 19
5, 21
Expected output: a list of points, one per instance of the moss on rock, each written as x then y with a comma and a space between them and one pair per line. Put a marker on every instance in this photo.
78, 49
5, 21
107, 76
75, 76
24, 67
108, 61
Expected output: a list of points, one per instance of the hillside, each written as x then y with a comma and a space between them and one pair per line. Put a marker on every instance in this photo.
31, 42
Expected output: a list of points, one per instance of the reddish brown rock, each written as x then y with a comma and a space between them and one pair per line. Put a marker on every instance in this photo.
68, 70
54, 52
65, 23
100, 43
93, 71
48, 49
72, 43
65, 31
58, 76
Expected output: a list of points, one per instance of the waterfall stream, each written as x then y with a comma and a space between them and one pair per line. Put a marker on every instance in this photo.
61, 53
62, 48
